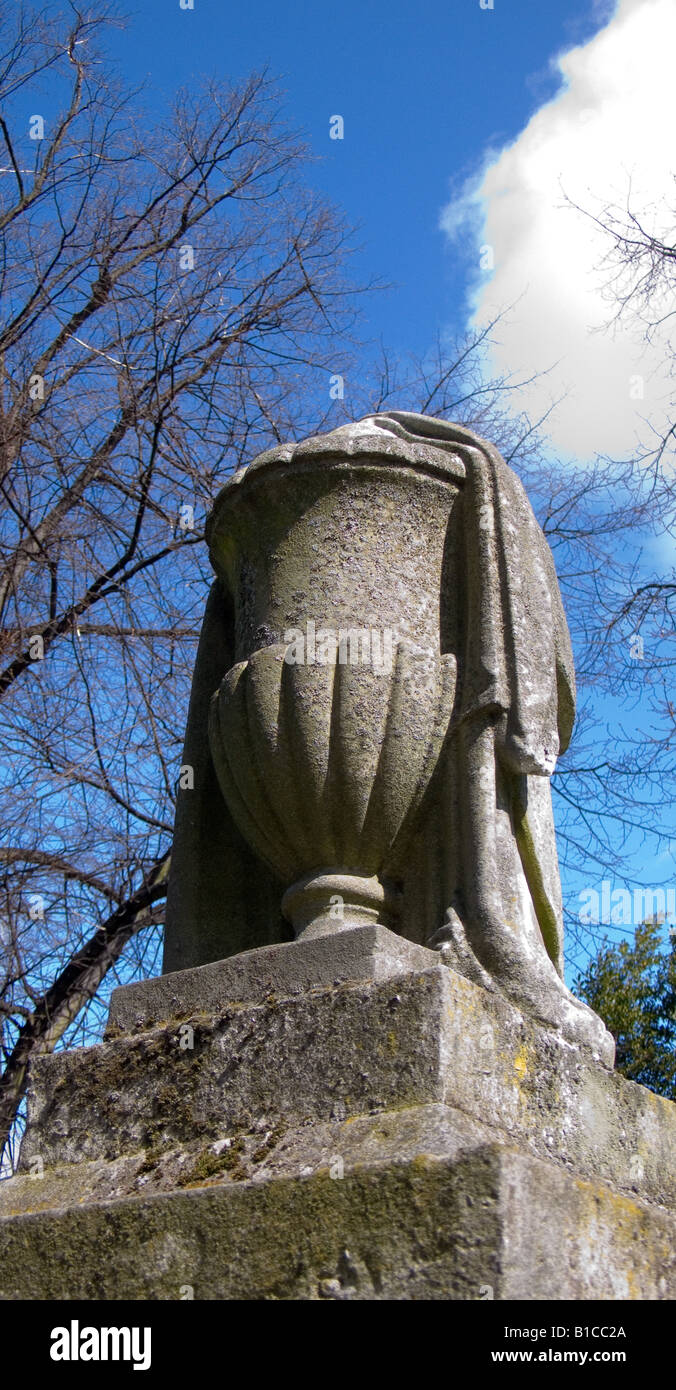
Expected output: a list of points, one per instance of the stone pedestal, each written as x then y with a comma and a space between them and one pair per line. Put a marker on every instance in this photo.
338, 1118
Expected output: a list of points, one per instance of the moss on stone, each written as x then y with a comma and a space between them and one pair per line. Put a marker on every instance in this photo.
270, 1143
210, 1165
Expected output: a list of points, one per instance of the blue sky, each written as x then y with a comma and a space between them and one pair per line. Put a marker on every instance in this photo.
424, 90
466, 125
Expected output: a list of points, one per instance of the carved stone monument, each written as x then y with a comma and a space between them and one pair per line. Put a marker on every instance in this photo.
383, 686
361, 1074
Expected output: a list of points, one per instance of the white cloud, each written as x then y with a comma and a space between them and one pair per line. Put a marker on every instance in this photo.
613, 122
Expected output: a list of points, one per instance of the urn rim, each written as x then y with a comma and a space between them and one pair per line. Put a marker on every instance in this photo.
347, 447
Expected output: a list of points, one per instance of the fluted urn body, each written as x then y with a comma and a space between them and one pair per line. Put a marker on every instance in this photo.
328, 727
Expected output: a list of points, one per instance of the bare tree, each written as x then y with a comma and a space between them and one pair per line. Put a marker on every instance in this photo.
637, 631
174, 299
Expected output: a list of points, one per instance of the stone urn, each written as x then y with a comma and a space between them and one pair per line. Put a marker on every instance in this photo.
326, 731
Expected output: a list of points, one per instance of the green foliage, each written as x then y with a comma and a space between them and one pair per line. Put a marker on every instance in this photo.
633, 988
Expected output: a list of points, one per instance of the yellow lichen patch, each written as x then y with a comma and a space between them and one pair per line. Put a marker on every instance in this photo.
520, 1062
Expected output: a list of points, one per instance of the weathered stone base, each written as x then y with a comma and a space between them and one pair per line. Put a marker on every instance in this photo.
491, 1224
349, 1119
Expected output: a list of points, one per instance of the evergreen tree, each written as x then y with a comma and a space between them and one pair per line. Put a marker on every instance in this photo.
633, 988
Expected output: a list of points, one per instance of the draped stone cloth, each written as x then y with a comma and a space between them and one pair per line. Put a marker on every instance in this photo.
514, 714
518, 661
485, 865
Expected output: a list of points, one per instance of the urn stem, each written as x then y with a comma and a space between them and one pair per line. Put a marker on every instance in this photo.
328, 901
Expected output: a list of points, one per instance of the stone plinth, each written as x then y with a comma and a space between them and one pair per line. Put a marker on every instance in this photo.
338, 1118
